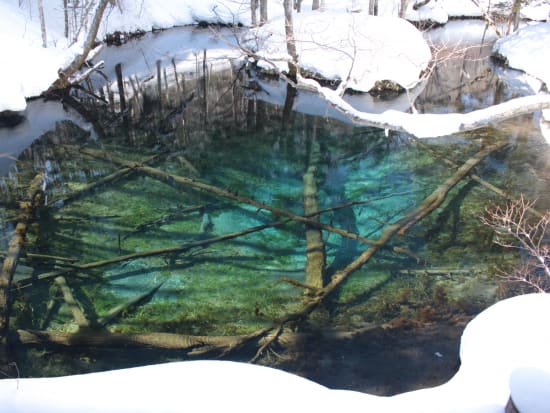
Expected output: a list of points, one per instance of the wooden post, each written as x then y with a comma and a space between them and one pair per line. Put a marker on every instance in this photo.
205, 87
159, 83
120, 83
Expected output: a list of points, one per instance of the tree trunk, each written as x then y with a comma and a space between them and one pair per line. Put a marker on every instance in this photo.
419, 124
315, 5
66, 18
373, 7
419, 4
253, 10
184, 181
403, 8
315, 246
15, 249
290, 41
513, 19
263, 11
63, 81
42, 23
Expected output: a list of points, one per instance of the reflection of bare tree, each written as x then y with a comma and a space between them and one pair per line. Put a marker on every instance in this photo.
457, 72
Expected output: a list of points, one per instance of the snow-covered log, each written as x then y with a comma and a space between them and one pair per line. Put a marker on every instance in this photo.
430, 125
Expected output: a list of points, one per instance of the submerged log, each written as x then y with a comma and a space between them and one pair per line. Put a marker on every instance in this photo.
438, 196
122, 308
475, 177
424, 209
27, 209
78, 315
315, 246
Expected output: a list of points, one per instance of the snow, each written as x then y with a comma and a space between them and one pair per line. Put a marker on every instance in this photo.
504, 350
375, 48
21, 46
529, 387
528, 49
20, 51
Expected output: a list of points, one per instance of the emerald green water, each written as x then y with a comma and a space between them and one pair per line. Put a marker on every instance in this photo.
233, 287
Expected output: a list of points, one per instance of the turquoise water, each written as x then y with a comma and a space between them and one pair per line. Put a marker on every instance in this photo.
443, 266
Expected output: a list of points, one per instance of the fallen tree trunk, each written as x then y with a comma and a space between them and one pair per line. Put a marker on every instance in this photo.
123, 308
429, 125
476, 178
315, 246
65, 75
150, 253
387, 233
438, 196
11, 259
78, 315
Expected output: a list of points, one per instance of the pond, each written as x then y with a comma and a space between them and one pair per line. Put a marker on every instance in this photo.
183, 212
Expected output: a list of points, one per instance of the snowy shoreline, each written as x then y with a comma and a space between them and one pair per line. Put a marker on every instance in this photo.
503, 352
21, 48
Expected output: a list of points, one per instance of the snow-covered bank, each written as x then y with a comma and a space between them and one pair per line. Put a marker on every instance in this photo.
26, 68
343, 45
22, 54
528, 49
503, 350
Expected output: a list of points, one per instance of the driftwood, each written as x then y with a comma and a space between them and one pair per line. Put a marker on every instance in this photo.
176, 249
44, 257
168, 218
27, 208
416, 124
70, 267
264, 337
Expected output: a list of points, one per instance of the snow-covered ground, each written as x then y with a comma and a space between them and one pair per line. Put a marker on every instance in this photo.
504, 351
27, 68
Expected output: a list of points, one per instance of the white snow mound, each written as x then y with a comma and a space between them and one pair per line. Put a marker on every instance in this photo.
339, 45
528, 49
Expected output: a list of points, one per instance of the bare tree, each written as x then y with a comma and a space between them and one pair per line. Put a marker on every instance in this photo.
42, 23
263, 11
516, 227
64, 76
403, 8
290, 41
513, 19
373, 7
253, 9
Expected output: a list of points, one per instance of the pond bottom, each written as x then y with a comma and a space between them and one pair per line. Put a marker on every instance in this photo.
382, 361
